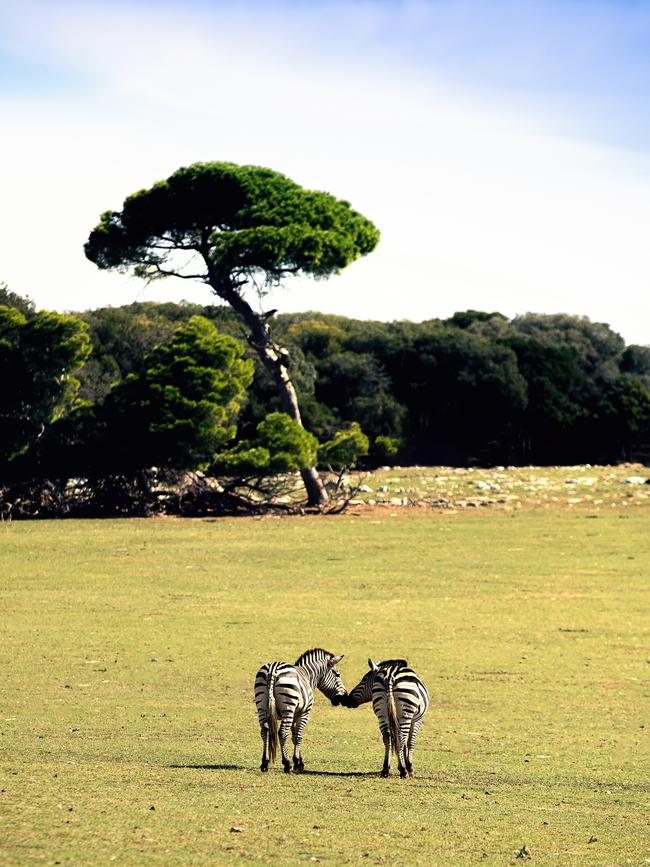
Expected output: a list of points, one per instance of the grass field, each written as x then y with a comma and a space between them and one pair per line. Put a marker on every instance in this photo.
128, 651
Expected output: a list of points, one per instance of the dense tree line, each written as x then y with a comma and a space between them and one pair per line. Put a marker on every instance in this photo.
111, 393
476, 388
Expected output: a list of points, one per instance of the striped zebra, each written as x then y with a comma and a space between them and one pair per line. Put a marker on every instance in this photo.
399, 700
284, 695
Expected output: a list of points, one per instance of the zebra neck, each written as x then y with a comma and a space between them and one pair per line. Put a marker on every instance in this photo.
314, 670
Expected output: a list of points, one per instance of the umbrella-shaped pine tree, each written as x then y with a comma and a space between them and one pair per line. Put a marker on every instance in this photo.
235, 228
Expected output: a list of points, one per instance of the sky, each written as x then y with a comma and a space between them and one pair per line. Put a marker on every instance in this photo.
502, 148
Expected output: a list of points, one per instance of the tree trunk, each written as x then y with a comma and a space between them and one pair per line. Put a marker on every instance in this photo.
144, 484
274, 358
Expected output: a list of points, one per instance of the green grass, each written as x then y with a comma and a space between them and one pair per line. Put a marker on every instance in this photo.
128, 651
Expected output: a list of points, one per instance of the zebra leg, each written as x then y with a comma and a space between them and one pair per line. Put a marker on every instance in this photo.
297, 731
402, 748
385, 733
285, 726
264, 732
415, 728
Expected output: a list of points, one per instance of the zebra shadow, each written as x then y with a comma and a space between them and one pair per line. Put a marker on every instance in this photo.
308, 773
210, 767
305, 773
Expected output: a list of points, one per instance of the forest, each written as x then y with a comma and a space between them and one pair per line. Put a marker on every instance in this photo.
111, 395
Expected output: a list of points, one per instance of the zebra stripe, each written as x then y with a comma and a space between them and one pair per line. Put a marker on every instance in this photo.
399, 700
284, 697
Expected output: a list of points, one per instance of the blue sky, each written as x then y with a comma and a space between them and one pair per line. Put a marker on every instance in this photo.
503, 148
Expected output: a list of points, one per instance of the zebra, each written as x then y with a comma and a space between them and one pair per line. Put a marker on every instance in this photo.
399, 700
284, 695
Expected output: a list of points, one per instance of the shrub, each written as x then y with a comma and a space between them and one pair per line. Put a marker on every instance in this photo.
345, 448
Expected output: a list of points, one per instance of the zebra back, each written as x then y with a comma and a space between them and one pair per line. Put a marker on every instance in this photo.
403, 681
387, 679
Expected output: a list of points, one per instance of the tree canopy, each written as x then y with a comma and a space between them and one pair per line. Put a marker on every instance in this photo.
181, 408
175, 413
40, 354
237, 221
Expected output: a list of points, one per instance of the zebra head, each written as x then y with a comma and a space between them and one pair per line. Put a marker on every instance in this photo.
362, 692
330, 683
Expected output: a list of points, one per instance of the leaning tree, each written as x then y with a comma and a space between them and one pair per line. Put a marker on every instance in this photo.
236, 228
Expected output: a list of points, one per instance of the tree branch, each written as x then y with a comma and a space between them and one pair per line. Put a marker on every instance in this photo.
162, 272
172, 246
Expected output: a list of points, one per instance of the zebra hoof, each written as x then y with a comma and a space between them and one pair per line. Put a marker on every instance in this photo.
404, 773
385, 773
264, 768
288, 769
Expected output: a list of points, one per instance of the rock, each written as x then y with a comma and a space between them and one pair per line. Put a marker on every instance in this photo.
487, 486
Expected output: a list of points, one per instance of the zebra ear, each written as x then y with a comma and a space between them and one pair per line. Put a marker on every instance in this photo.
335, 660
372, 665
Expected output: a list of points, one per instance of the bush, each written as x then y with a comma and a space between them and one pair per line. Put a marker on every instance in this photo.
281, 446
345, 448
385, 447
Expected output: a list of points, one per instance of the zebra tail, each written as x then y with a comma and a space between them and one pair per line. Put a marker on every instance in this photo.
272, 718
393, 721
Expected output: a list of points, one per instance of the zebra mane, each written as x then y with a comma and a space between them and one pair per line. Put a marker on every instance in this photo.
309, 654
400, 663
